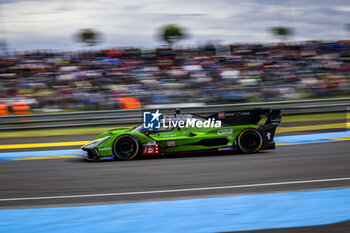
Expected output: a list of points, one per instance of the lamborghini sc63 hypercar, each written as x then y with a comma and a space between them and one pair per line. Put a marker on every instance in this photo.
239, 130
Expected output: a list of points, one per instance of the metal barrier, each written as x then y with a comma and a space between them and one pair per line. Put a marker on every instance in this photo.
131, 117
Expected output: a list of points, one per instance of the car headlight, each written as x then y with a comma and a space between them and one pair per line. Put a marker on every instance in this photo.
95, 143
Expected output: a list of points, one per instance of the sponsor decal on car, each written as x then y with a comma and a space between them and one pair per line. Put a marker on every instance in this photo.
225, 148
107, 157
268, 135
225, 131
170, 143
223, 115
169, 136
237, 113
104, 148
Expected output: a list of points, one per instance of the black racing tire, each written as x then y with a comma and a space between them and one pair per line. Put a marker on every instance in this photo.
249, 141
126, 147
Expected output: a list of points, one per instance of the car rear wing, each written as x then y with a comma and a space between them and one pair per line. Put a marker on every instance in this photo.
274, 118
245, 117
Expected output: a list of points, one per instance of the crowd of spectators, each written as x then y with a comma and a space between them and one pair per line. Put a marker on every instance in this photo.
206, 74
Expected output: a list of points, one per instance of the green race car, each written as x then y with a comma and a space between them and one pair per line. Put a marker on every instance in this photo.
222, 131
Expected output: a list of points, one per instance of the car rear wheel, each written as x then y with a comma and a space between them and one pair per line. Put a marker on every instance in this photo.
249, 141
126, 147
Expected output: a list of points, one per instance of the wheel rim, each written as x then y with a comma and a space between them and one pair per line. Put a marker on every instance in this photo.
126, 148
250, 141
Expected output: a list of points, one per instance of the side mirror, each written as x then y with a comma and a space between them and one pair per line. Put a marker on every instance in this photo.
151, 131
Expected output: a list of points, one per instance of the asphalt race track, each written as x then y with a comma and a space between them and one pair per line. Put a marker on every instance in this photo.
185, 177
303, 185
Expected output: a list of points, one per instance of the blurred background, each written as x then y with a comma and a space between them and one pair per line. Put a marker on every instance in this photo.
73, 56
204, 56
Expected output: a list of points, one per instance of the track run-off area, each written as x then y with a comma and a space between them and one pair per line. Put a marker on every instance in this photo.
305, 182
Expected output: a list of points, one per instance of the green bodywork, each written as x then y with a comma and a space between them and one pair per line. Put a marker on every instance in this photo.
177, 139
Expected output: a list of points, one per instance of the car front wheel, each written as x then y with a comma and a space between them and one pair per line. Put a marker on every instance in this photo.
126, 147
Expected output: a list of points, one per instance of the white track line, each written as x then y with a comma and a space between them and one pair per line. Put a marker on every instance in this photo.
176, 190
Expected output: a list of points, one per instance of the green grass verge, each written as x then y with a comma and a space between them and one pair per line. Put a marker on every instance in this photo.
98, 130
55, 132
314, 117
